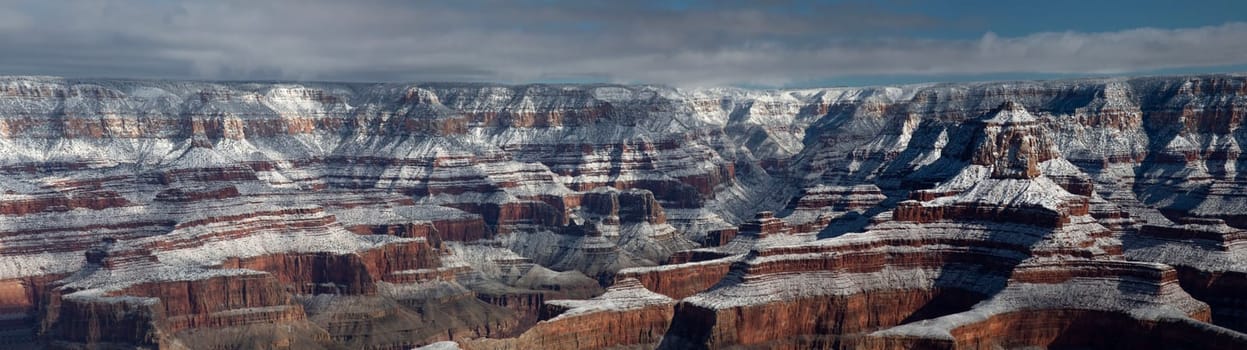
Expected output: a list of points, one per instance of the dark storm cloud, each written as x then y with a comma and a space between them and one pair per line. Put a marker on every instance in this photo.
680, 43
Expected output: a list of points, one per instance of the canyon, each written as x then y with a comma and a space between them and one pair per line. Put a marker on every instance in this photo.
1082, 213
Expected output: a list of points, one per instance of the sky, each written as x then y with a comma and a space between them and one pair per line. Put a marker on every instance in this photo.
765, 43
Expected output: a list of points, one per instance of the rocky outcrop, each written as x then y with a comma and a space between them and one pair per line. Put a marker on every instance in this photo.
613, 207
1209, 258
719, 237
764, 224
1052, 307
626, 315
20, 303
680, 280
784, 294
126, 296
409, 316
1010, 143
151, 312
815, 207
355, 274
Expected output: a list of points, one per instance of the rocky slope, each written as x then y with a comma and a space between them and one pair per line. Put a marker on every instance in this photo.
174, 215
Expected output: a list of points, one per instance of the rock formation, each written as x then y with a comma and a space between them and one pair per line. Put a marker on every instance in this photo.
168, 214
626, 315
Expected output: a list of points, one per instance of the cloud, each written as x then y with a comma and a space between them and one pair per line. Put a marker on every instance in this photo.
695, 43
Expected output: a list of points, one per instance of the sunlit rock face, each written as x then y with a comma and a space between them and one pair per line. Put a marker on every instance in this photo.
176, 215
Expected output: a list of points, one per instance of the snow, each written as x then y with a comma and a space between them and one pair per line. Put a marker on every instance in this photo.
816, 284
441, 345
673, 267
1143, 300
626, 294
976, 186
1015, 115
367, 143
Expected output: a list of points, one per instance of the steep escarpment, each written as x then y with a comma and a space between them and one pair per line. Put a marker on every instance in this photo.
307, 215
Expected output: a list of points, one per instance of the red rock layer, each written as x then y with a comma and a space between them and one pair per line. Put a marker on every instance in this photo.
406, 230
601, 203
1075, 329
239, 173
624, 317
914, 211
318, 273
719, 237
594, 331
782, 324
72, 322
815, 207
503, 217
244, 224
85, 200
461, 230
20, 300
1223, 238
764, 224
838, 198
217, 302
827, 310
526, 304
197, 195
145, 313
678, 281
614, 207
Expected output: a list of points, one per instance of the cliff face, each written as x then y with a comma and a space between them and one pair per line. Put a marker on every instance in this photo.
626, 315
957, 268
171, 214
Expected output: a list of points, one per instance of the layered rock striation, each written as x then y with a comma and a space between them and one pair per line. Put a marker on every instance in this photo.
306, 215
958, 267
